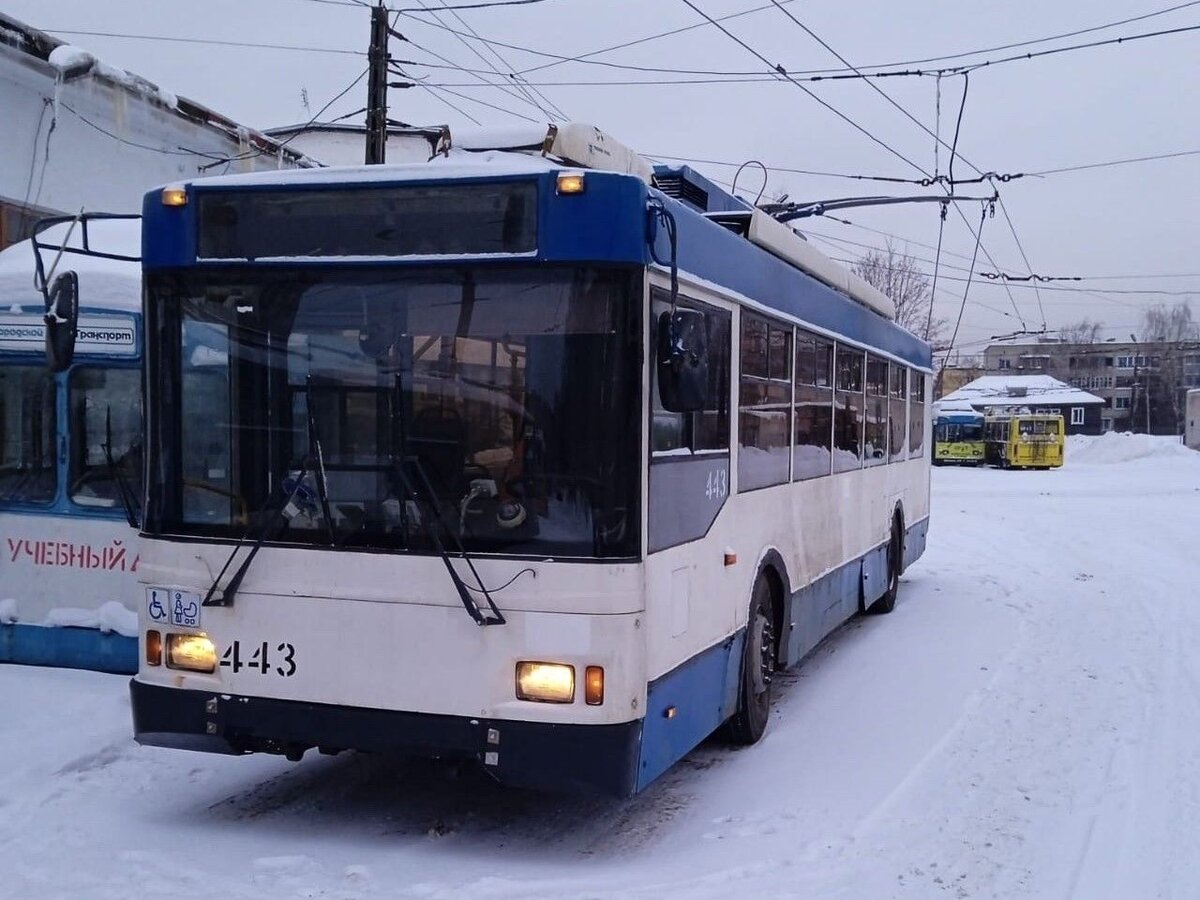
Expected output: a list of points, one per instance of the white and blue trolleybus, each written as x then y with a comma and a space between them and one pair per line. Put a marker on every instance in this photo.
544, 460
70, 449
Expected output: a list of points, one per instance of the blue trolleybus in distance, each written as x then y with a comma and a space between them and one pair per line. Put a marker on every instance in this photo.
70, 455
546, 460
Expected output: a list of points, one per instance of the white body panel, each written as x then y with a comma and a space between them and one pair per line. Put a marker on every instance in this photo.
51, 563
816, 526
387, 631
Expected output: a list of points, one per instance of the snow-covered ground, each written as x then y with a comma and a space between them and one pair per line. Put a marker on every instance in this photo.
1025, 724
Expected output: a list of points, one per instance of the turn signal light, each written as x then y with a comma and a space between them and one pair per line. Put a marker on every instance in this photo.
174, 196
593, 685
192, 652
153, 648
545, 682
571, 183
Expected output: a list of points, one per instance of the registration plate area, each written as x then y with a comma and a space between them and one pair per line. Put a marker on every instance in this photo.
414, 658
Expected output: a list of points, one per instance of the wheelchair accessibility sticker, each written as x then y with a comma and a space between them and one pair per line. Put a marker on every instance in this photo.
180, 608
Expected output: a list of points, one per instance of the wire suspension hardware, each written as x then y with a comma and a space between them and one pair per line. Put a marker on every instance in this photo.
983, 215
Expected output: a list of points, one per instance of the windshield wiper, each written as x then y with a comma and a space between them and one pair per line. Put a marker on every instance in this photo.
493, 616
297, 500
123, 488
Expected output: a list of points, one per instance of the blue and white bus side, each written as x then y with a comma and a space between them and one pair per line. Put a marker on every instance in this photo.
802, 489
68, 557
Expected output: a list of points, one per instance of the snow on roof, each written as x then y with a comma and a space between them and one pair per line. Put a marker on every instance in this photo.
459, 164
946, 406
104, 284
1020, 390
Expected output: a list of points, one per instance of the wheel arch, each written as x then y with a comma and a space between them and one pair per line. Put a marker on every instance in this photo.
772, 567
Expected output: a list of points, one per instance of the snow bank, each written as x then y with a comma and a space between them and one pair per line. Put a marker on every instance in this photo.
1121, 447
111, 616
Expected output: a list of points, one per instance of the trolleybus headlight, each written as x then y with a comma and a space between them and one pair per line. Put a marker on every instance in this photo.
571, 183
193, 652
545, 682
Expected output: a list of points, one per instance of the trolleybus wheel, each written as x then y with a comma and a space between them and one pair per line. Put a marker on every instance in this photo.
758, 664
895, 562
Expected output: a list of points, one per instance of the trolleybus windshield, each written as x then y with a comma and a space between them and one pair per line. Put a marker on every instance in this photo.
516, 389
27, 434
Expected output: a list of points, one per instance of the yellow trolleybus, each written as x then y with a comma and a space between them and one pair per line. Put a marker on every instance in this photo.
957, 435
1024, 440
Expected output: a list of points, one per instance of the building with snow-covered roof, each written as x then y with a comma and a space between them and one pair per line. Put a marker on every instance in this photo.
1035, 393
79, 133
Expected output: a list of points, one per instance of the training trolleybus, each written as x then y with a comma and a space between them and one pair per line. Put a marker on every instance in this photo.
547, 461
957, 435
70, 454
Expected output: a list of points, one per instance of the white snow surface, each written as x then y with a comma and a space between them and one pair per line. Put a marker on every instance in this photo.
108, 617
1024, 725
1120, 447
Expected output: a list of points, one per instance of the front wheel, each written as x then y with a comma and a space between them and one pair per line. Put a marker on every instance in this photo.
895, 562
759, 651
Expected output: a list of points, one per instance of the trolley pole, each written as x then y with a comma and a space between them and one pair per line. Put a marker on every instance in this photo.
377, 60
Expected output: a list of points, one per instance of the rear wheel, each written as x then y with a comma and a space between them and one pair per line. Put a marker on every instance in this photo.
895, 562
759, 652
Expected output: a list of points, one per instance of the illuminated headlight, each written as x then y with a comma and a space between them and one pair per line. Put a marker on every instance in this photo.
545, 682
193, 652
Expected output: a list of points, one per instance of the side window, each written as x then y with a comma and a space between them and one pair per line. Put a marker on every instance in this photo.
27, 435
875, 443
848, 410
897, 425
814, 407
683, 433
106, 435
1076, 415
916, 414
764, 402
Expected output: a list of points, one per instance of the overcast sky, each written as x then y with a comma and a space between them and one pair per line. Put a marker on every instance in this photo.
1092, 105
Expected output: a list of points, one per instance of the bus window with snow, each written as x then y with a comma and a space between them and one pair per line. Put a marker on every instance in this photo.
484, 493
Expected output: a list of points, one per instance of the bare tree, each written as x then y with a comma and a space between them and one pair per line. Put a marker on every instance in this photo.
1085, 331
1174, 335
896, 274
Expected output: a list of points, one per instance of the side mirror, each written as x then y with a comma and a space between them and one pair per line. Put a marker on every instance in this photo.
683, 360
62, 321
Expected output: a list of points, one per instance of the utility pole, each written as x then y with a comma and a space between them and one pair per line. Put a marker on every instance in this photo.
377, 85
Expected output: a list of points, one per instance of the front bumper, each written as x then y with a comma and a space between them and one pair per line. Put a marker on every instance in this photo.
539, 755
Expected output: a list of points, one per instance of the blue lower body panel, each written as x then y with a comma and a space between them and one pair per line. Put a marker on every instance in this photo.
914, 541
688, 704
70, 648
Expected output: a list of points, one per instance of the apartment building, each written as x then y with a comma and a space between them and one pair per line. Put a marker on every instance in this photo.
1129, 376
